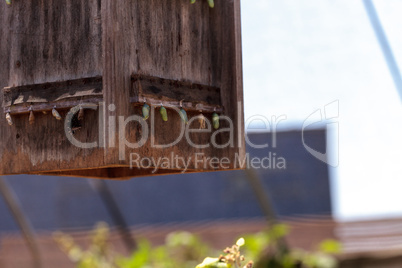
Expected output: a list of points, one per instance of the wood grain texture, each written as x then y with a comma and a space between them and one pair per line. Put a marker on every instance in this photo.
174, 40
42, 97
45, 42
175, 93
50, 41
54, 40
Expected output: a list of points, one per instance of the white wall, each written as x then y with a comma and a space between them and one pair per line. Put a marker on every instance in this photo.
302, 55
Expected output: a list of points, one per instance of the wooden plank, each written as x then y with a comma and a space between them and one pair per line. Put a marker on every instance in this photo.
172, 40
121, 173
54, 41
227, 69
42, 97
173, 93
238, 80
45, 42
45, 107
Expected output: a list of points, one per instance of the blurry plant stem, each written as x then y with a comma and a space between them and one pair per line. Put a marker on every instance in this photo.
117, 216
265, 203
12, 202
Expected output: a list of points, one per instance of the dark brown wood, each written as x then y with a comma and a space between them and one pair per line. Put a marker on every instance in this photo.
45, 42
53, 41
173, 93
58, 41
42, 97
118, 172
202, 50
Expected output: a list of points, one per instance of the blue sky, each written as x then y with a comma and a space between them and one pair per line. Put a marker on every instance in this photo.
299, 56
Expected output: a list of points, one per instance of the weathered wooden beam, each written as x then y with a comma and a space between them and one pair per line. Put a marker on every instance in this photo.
46, 96
174, 93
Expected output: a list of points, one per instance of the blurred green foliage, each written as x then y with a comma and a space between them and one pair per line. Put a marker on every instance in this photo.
186, 250
268, 251
181, 249
97, 255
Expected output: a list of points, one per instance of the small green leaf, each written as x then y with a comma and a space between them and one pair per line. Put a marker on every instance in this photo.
8, 2
208, 261
192, 1
163, 112
330, 246
278, 231
212, 263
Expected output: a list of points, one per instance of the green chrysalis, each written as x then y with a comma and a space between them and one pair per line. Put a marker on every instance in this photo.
215, 120
183, 115
163, 112
145, 111
211, 3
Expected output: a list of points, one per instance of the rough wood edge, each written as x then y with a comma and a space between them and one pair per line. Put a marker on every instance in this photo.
49, 106
80, 95
139, 98
239, 77
108, 172
188, 106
